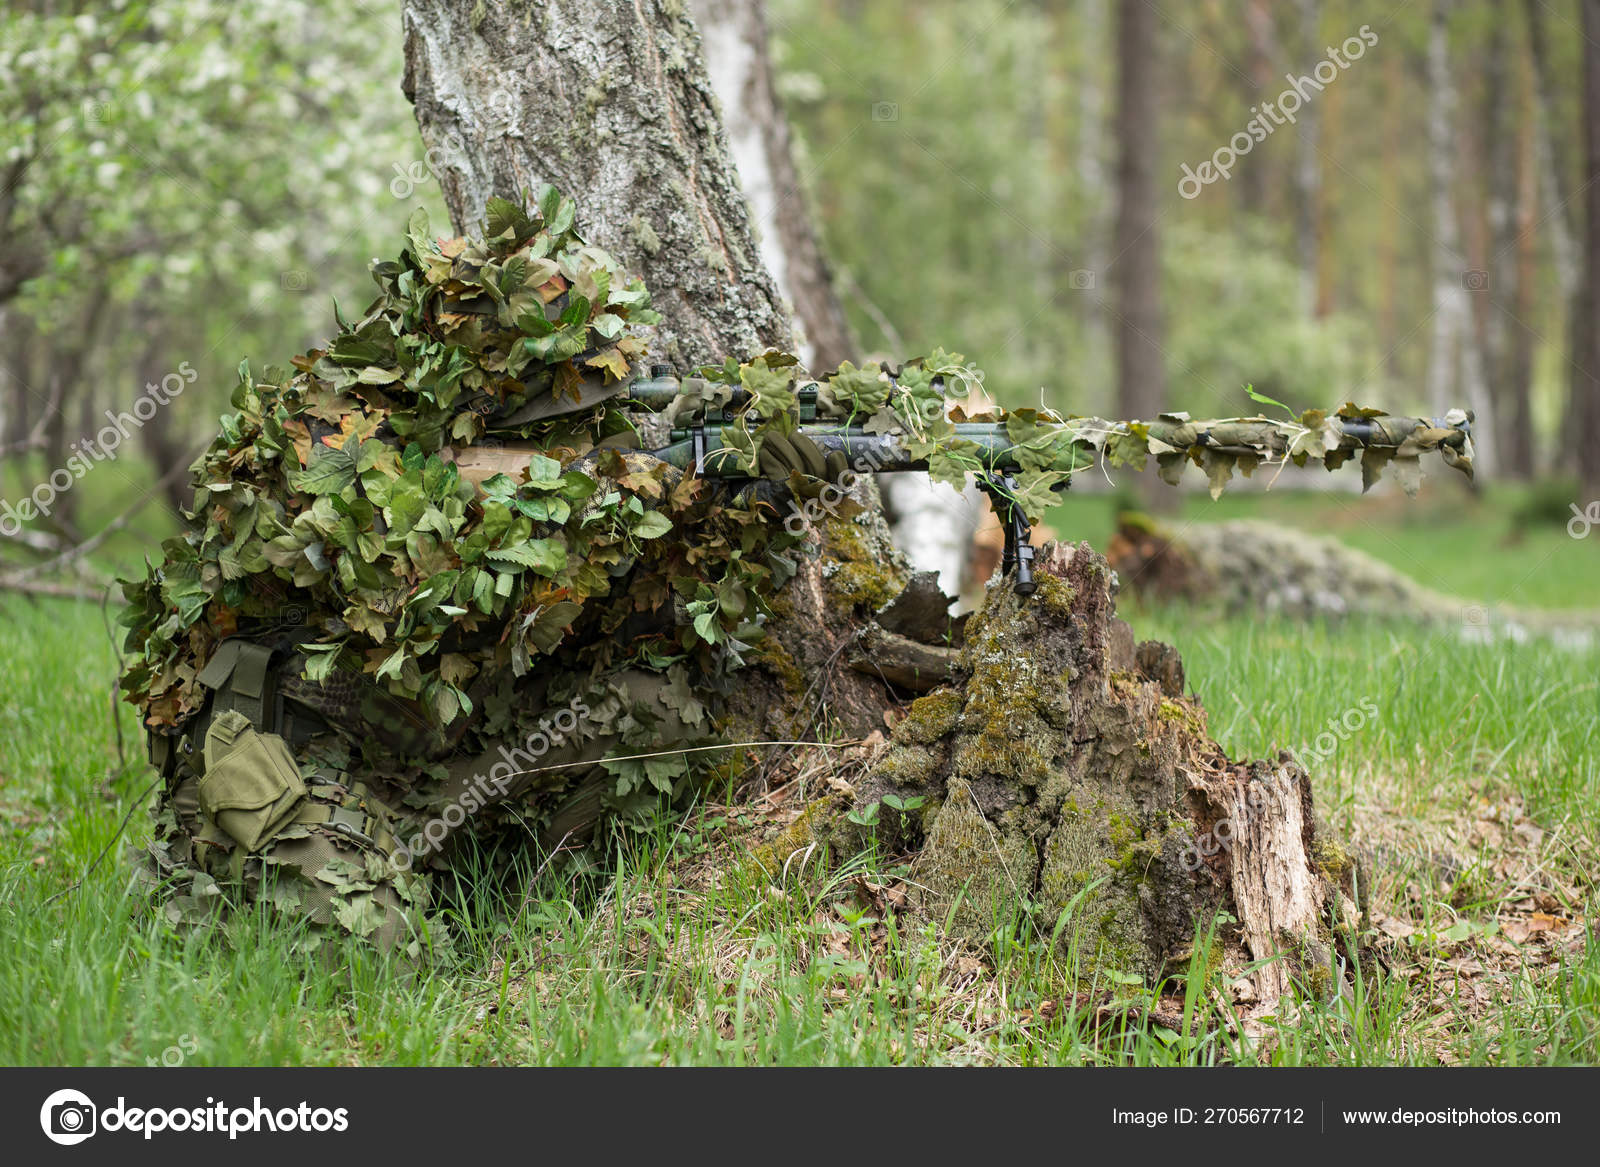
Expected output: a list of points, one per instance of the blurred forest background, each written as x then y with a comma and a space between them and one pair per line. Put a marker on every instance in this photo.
186, 183
1038, 184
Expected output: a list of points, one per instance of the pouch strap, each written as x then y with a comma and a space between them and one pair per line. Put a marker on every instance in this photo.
353, 822
239, 674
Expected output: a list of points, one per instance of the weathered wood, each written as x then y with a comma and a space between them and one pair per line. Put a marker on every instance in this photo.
1063, 775
906, 663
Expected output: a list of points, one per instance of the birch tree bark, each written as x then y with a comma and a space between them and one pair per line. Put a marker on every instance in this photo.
738, 60
932, 523
611, 103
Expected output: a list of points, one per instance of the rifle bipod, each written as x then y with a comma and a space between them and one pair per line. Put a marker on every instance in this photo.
999, 487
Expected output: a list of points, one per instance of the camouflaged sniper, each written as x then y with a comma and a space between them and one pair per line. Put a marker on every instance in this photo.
371, 646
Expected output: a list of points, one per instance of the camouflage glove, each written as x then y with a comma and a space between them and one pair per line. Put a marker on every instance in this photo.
782, 455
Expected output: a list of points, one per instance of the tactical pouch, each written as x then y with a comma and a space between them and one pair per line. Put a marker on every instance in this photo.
251, 785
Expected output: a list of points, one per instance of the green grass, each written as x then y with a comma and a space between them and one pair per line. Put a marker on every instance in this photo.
690, 954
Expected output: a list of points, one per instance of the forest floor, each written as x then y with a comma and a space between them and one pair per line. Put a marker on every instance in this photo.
1472, 785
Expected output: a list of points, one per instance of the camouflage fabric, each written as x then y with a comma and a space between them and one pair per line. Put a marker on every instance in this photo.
366, 615
356, 845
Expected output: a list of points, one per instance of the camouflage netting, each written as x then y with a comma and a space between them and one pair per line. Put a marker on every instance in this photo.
1258, 566
333, 489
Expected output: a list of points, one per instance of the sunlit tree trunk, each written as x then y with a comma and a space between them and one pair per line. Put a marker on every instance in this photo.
735, 36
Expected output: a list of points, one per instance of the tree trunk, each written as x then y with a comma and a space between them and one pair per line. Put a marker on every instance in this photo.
1326, 218
1094, 189
928, 520
612, 104
1308, 166
1453, 358
1586, 386
734, 33
1389, 229
1063, 776
1140, 328
1493, 238
67, 364
1516, 369
16, 434
1260, 74
1561, 212
163, 435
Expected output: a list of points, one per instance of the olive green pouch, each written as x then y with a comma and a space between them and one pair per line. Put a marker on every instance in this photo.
251, 786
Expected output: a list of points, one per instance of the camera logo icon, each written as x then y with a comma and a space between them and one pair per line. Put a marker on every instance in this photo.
68, 1117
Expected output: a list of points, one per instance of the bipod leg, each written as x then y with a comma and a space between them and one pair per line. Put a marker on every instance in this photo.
1019, 547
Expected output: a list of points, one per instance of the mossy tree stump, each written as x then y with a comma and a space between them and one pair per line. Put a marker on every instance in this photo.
1064, 776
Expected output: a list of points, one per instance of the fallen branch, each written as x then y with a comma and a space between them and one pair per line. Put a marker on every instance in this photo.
72, 554
901, 661
39, 541
46, 588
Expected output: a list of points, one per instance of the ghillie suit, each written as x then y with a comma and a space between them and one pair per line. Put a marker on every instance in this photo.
371, 642
356, 652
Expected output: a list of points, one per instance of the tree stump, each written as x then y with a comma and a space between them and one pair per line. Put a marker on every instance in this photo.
1064, 776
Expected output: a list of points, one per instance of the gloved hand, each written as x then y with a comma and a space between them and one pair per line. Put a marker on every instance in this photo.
782, 455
